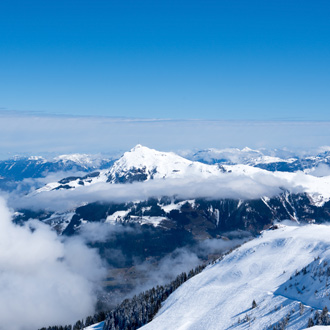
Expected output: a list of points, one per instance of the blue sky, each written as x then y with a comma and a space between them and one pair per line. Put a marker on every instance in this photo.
241, 60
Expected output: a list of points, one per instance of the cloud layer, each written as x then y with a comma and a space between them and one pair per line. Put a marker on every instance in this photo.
227, 185
44, 280
36, 134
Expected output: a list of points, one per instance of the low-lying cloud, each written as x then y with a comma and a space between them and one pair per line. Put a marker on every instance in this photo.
44, 279
151, 273
226, 185
30, 184
321, 170
99, 232
185, 259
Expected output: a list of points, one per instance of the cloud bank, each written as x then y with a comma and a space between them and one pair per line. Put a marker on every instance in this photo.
154, 271
36, 134
44, 279
184, 259
227, 185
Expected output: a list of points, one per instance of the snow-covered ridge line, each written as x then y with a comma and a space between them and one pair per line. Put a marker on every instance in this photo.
243, 156
74, 157
144, 164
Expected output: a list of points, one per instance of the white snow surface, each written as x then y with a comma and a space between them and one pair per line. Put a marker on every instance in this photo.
221, 296
37, 158
319, 327
96, 326
161, 165
82, 159
176, 206
117, 216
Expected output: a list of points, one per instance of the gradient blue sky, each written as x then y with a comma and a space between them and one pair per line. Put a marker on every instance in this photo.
206, 59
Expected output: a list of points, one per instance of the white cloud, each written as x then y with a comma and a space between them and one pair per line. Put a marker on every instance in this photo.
226, 185
44, 280
321, 170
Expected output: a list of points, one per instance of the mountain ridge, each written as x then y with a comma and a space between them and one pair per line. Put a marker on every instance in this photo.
221, 296
142, 164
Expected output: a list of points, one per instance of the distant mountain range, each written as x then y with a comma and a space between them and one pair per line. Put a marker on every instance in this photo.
19, 168
301, 196
271, 160
173, 221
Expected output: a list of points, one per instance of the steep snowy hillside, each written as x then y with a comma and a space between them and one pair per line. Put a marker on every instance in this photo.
285, 271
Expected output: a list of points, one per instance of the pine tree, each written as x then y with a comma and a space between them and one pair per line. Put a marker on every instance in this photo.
310, 323
325, 316
317, 318
301, 308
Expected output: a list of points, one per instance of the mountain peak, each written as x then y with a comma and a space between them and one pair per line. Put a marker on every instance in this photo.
141, 156
143, 163
137, 147
141, 150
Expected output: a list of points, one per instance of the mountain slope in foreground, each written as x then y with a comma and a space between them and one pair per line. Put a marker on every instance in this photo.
279, 270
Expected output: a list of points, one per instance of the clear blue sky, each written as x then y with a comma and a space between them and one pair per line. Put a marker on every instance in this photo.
167, 59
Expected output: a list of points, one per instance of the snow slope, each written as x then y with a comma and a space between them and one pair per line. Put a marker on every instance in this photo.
96, 326
221, 296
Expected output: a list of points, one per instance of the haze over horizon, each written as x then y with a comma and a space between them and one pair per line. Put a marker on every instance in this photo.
53, 135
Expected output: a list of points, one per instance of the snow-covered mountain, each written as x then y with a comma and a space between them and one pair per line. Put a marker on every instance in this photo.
271, 160
285, 271
227, 197
141, 164
245, 156
19, 168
